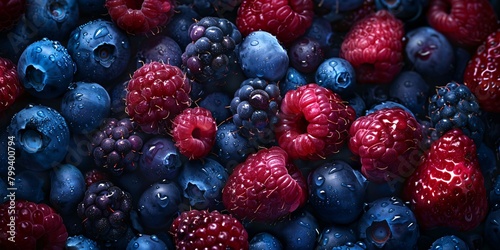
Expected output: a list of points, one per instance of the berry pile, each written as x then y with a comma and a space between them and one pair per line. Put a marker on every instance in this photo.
249, 124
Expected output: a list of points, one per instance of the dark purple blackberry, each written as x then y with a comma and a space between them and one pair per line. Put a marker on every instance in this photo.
211, 54
105, 211
454, 106
255, 108
116, 145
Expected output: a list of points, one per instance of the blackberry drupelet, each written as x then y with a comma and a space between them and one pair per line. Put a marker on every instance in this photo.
116, 145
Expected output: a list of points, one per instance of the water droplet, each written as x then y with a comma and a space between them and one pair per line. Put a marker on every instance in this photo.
163, 201
391, 210
100, 32
348, 186
324, 241
337, 235
52, 58
40, 113
254, 43
321, 194
320, 180
304, 224
38, 49
154, 238
384, 204
136, 245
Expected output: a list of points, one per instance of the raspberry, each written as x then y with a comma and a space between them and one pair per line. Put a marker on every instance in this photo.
156, 94
10, 86
194, 132
464, 22
37, 226
10, 12
197, 229
387, 141
314, 122
374, 47
265, 187
138, 17
287, 20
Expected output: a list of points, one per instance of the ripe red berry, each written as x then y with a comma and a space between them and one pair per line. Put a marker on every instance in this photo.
374, 47
265, 187
10, 12
194, 132
197, 229
447, 189
314, 122
387, 142
10, 86
140, 16
482, 74
287, 20
156, 94
464, 22
37, 226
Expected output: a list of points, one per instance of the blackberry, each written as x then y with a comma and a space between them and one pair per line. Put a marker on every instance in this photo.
116, 145
454, 106
211, 54
105, 211
255, 107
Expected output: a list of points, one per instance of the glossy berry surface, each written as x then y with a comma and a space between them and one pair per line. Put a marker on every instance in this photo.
265, 241
80, 242
159, 159
10, 85
411, 90
406, 10
449, 242
337, 75
217, 103
146, 242
230, 146
158, 204
67, 187
54, 19
160, 49
335, 236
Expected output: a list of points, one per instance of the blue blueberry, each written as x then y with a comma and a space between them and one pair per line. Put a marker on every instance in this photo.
159, 204
487, 162
78, 153
217, 103
305, 54
160, 159
80, 242
339, 5
321, 31
15, 41
449, 242
336, 74
335, 236
133, 183
46, 69
230, 147
299, 231
67, 188
494, 195
358, 104
265, 241
100, 50
388, 105
85, 106
388, 223
293, 80
54, 19
336, 193
41, 137
146, 242
178, 26
374, 94
492, 229
429, 52
32, 186
406, 10
159, 48
92, 7
118, 96
201, 181
412, 91
261, 55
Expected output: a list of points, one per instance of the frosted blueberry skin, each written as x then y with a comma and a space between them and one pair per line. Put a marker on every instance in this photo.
160, 159
54, 19
179, 25
67, 188
293, 80
230, 147
46, 69
448, 242
335, 236
217, 103
158, 205
100, 50
85, 106
146, 242
265, 241
411, 90
338, 75
41, 137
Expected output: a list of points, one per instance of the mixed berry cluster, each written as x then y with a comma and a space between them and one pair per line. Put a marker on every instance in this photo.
249, 124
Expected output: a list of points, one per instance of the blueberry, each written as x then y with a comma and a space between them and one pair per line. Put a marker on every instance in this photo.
337, 75
80, 242
336, 193
146, 242
160, 159
306, 54
85, 106
339, 5
374, 94
487, 162
32, 186
230, 147
101, 51
492, 229
265, 241
321, 31
388, 105
159, 49
92, 7
406, 10
201, 181
41, 137
449, 242
217, 103
54, 19
158, 204
261, 55
412, 91
118, 95
358, 104
293, 80
335, 236
46, 69
389, 223
179, 24
300, 231
67, 188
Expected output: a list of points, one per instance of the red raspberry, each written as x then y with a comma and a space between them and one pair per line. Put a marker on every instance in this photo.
208, 230
287, 20
314, 122
464, 22
10, 86
374, 47
140, 16
37, 226
194, 132
387, 141
447, 189
156, 94
95, 175
482, 74
265, 187
10, 12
